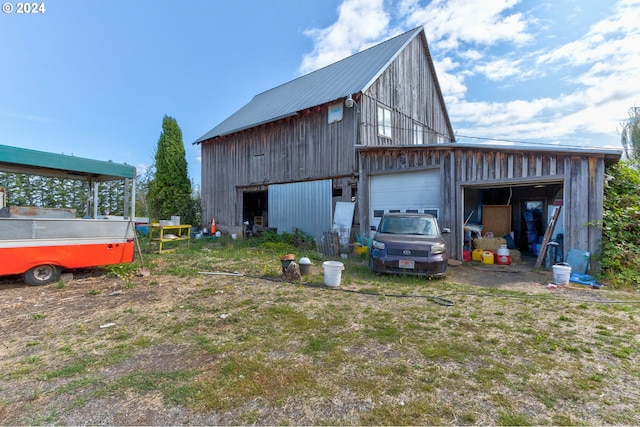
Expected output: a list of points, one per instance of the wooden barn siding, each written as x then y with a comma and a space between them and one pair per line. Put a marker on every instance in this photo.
391, 160
408, 89
585, 182
302, 148
582, 177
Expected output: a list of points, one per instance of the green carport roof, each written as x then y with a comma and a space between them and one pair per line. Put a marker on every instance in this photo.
32, 162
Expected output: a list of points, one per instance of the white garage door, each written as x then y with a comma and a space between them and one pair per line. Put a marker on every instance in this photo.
404, 192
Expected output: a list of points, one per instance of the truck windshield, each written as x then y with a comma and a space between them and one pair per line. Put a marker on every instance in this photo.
409, 225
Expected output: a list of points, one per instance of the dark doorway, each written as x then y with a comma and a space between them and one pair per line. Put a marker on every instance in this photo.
533, 224
532, 205
255, 208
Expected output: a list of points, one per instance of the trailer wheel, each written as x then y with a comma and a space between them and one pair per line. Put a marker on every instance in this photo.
41, 275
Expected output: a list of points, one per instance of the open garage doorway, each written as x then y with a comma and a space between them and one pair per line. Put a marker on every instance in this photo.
255, 210
520, 211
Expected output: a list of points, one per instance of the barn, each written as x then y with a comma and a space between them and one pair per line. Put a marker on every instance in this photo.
371, 133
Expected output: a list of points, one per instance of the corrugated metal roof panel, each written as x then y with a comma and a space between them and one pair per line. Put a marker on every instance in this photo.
346, 77
609, 153
22, 160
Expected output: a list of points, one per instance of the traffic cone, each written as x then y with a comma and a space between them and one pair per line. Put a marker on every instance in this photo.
213, 226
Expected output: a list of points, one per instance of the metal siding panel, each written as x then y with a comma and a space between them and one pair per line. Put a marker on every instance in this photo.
303, 205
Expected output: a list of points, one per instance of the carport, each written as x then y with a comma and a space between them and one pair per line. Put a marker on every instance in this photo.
33, 162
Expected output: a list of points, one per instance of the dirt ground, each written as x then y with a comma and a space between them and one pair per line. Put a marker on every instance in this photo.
90, 297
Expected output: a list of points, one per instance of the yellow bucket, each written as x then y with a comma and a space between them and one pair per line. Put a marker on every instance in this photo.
487, 257
476, 255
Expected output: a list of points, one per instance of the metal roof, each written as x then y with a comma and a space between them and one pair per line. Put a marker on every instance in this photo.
346, 77
609, 153
32, 162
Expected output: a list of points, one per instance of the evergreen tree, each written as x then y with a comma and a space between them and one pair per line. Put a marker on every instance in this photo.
170, 189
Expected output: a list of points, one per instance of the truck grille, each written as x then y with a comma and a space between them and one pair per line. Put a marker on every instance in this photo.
414, 253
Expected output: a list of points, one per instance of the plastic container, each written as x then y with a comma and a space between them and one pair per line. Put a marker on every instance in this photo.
476, 255
305, 266
502, 250
332, 273
360, 249
487, 257
561, 273
503, 260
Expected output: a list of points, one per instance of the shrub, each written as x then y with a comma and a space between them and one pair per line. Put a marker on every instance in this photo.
619, 254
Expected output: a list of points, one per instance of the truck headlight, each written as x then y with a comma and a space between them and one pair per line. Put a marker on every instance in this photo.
438, 248
377, 245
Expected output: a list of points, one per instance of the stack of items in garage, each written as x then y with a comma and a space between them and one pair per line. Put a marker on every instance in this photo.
533, 237
492, 244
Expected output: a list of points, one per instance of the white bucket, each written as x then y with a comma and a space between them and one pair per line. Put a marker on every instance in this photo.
332, 273
234, 236
561, 274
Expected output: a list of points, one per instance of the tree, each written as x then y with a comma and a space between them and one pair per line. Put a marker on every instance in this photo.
170, 188
143, 179
630, 134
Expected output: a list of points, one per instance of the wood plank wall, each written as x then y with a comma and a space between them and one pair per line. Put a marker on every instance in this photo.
303, 147
408, 88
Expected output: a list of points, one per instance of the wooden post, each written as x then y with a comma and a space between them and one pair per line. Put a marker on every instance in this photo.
547, 236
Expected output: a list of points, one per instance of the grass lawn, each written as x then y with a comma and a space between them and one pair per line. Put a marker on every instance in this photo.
183, 347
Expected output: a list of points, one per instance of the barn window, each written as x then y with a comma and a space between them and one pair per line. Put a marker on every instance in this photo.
335, 112
418, 134
384, 122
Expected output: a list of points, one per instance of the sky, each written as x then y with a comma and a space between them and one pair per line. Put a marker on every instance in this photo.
95, 78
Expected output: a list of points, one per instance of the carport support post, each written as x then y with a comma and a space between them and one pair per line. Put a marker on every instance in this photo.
95, 200
133, 197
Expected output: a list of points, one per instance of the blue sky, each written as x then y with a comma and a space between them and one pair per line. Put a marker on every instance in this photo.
95, 78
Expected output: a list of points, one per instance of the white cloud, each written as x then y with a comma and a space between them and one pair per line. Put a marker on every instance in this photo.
360, 23
500, 69
601, 95
451, 83
599, 73
450, 22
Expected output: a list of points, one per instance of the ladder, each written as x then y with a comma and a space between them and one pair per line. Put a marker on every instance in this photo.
547, 236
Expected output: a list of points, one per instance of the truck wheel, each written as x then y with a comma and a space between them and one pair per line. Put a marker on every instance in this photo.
41, 275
